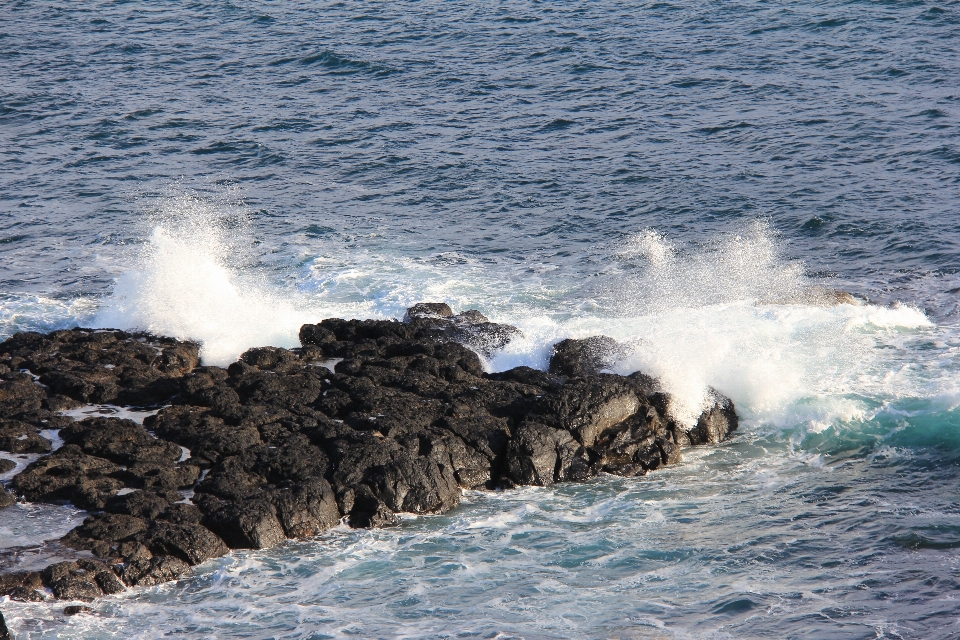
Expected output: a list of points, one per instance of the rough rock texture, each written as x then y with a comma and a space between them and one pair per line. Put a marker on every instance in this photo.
81, 580
578, 358
280, 446
22, 585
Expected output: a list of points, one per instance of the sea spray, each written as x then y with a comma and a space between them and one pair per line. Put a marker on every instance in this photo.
733, 313
186, 285
730, 313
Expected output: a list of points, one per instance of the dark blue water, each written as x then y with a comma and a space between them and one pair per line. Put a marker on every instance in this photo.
689, 176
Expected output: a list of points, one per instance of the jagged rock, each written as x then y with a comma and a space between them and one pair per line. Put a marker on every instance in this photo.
472, 328
81, 580
191, 543
541, 455
122, 441
367, 510
307, 509
88, 365
111, 535
20, 437
69, 474
161, 478
181, 513
22, 585
588, 407
146, 572
207, 435
272, 359
716, 422
103, 533
142, 504
428, 310
581, 358
19, 393
414, 484
248, 524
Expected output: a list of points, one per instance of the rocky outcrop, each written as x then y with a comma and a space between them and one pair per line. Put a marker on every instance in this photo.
286, 444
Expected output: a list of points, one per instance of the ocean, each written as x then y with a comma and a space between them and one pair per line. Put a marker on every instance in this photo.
689, 178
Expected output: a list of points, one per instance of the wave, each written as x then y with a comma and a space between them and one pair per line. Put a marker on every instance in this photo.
730, 312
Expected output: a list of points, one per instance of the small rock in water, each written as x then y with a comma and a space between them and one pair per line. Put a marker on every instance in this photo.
428, 310
75, 609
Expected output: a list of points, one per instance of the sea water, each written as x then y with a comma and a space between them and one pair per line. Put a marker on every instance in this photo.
692, 179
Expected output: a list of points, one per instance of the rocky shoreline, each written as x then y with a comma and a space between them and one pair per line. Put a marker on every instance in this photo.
367, 419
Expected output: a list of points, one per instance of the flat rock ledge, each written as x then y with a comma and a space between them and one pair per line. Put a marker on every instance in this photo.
367, 419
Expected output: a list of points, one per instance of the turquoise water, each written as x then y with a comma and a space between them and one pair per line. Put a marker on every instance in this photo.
687, 178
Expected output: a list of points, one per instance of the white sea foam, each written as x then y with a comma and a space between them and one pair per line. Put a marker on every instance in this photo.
731, 312
188, 284
736, 316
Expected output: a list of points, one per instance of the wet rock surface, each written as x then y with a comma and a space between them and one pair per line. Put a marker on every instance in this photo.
278, 445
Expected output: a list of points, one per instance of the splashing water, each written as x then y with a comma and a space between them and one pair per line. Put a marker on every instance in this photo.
730, 314
187, 284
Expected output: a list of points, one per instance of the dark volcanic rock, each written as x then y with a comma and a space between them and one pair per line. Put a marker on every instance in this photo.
122, 441
189, 542
716, 422
22, 585
250, 523
68, 474
81, 580
281, 446
471, 328
19, 393
103, 533
307, 509
21, 437
7, 465
146, 572
428, 310
142, 504
580, 358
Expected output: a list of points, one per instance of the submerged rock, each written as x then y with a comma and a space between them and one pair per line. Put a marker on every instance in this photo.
368, 419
